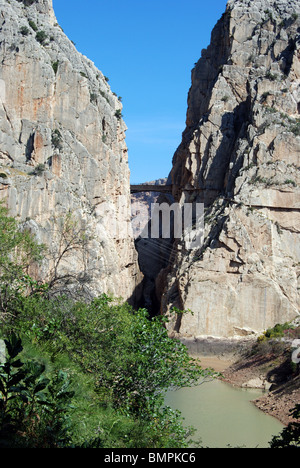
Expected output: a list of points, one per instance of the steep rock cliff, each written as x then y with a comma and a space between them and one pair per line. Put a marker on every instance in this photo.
63, 156
240, 156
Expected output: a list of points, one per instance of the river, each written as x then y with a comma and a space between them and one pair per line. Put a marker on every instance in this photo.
224, 416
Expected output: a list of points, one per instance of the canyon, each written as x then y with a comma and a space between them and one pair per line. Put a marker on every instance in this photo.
64, 172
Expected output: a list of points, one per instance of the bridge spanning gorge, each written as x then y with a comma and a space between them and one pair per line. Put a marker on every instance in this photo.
159, 188
169, 188
151, 188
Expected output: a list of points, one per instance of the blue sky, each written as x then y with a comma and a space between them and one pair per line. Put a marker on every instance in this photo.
147, 49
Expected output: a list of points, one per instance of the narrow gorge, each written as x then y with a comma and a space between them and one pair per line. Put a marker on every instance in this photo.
239, 156
63, 156
65, 178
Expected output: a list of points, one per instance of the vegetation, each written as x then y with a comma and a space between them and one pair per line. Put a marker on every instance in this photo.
39, 170
24, 31
290, 436
55, 66
281, 331
56, 137
33, 25
41, 37
32, 407
27, 2
93, 97
118, 114
82, 374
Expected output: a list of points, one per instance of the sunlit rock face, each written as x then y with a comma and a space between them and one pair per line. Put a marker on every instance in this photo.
62, 150
240, 156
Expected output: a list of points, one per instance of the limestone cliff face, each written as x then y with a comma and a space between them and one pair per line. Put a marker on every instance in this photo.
62, 150
240, 156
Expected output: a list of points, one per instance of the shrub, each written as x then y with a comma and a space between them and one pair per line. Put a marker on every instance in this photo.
56, 139
290, 182
93, 97
118, 114
24, 31
295, 129
55, 66
278, 331
265, 95
41, 37
27, 2
18, 252
39, 170
271, 76
33, 25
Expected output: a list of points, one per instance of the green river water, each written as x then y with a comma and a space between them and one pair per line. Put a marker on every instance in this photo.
224, 415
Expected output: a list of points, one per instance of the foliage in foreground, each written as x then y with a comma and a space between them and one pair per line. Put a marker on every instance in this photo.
78, 374
88, 374
128, 358
290, 436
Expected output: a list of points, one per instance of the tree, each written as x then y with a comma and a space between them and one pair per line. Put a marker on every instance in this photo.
69, 238
18, 253
133, 360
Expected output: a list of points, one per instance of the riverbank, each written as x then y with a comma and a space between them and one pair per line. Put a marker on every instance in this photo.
251, 364
275, 375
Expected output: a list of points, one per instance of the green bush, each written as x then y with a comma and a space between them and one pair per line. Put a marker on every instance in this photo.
27, 2
93, 97
39, 169
278, 331
290, 436
41, 37
33, 25
118, 114
56, 139
24, 31
55, 66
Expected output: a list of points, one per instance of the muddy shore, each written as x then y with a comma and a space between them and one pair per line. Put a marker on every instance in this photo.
268, 368
282, 388
254, 373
